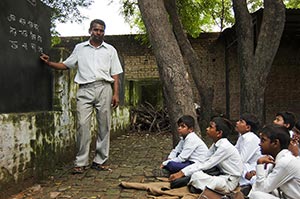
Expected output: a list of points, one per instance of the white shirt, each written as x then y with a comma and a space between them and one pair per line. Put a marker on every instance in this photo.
291, 133
285, 174
94, 64
191, 148
223, 154
248, 147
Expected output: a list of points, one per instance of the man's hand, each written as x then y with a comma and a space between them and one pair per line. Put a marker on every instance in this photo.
45, 58
175, 176
250, 174
265, 160
115, 101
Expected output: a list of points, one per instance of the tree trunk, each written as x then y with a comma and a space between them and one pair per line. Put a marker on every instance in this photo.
174, 76
255, 58
198, 73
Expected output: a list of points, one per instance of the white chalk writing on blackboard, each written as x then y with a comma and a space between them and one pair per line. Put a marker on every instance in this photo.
29, 29
14, 44
32, 2
11, 17
24, 45
22, 21
13, 31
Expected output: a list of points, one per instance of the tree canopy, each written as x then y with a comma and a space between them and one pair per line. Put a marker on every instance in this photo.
66, 11
199, 15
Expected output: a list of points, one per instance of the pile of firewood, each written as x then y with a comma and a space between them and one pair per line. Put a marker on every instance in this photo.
146, 117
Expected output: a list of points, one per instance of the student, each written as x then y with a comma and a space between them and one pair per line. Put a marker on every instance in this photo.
286, 119
221, 154
294, 146
283, 181
248, 147
189, 150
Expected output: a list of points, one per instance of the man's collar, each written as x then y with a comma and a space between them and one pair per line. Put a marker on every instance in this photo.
87, 43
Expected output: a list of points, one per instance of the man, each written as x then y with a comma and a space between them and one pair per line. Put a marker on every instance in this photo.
98, 66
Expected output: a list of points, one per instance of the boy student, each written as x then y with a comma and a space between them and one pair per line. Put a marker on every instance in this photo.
248, 147
283, 181
294, 146
221, 154
189, 150
286, 119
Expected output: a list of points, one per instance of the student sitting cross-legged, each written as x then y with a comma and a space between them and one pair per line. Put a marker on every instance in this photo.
283, 180
190, 148
222, 154
248, 147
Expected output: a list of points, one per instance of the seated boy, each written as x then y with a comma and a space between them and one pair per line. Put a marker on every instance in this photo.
221, 154
294, 146
286, 119
190, 148
283, 181
248, 147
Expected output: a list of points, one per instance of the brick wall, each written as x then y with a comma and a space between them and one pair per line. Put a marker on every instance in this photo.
283, 88
282, 92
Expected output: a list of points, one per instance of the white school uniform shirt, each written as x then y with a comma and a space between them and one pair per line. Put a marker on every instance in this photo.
285, 175
223, 154
191, 148
248, 147
94, 63
291, 133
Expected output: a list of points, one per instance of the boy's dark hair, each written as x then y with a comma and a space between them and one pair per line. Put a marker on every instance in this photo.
224, 125
274, 131
98, 21
288, 117
188, 120
251, 120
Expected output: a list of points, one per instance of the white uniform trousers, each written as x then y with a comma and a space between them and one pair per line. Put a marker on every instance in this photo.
223, 183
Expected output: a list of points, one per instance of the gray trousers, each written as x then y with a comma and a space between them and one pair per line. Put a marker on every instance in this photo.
98, 96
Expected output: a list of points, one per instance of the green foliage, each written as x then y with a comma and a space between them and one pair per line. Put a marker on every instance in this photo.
198, 15
66, 10
55, 40
205, 15
292, 3
254, 5
133, 17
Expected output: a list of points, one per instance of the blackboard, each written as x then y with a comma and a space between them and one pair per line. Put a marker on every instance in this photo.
25, 83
